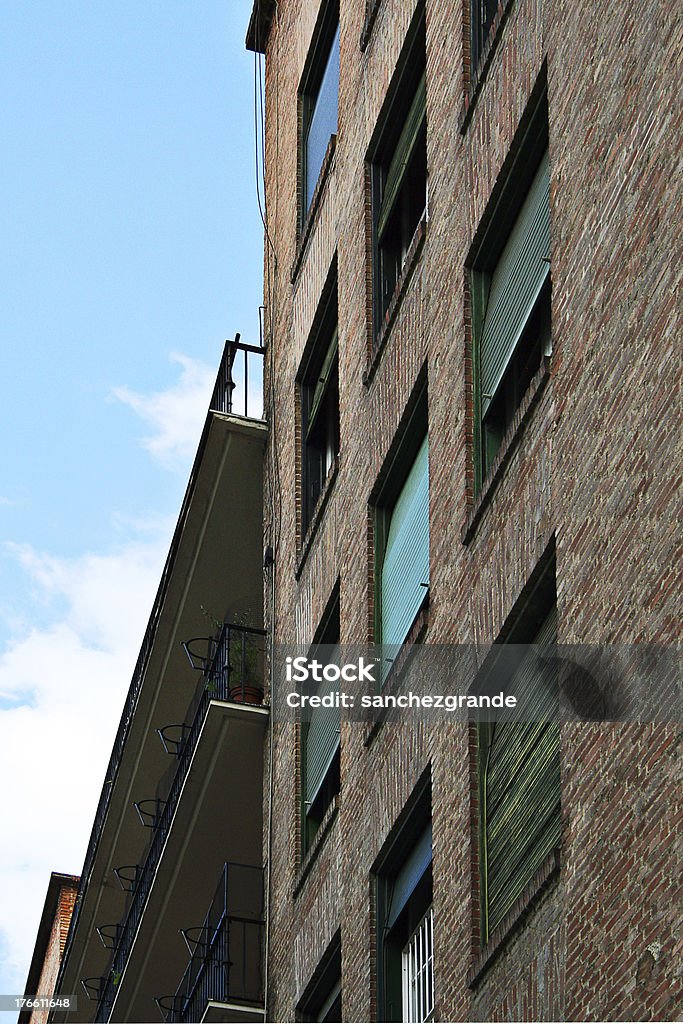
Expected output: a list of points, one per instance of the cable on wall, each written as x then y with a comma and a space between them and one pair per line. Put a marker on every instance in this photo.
274, 495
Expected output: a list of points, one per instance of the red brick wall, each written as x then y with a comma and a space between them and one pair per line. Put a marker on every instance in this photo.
55, 949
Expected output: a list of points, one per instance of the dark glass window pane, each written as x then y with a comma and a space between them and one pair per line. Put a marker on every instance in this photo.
322, 120
483, 13
399, 171
397, 235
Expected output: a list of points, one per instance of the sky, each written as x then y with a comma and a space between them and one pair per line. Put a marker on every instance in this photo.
130, 249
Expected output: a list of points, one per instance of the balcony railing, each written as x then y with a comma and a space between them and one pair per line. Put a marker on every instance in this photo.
232, 673
231, 663
239, 385
226, 962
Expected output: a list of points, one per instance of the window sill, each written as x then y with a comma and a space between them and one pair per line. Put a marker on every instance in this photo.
311, 854
547, 873
507, 448
372, 8
316, 518
313, 211
415, 635
479, 75
382, 337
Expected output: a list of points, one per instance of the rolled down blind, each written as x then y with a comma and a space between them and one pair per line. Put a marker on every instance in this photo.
405, 148
522, 787
516, 283
409, 875
322, 741
405, 569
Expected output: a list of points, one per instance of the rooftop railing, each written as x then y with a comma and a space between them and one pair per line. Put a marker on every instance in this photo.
239, 385
233, 672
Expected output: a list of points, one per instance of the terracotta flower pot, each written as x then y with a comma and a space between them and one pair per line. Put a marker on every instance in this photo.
246, 694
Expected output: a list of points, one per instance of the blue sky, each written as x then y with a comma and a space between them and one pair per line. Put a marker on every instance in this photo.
131, 248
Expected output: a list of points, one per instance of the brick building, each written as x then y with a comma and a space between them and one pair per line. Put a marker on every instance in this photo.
471, 436
473, 398
49, 948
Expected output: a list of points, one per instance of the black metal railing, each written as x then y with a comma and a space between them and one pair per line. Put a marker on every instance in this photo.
231, 663
226, 962
231, 675
241, 371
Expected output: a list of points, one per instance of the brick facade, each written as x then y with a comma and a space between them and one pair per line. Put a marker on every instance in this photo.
49, 948
592, 465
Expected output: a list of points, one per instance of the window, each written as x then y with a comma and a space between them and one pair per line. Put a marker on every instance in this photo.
319, 391
482, 13
319, 92
511, 295
402, 533
322, 998
405, 565
398, 170
418, 972
519, 766
320, 736
406, 921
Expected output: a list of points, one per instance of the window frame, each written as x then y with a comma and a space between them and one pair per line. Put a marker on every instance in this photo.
319, 367
410, 438
400, 856
480, 32
496, 229
534, 609
402, 95
325, 36
313, 812
324, 992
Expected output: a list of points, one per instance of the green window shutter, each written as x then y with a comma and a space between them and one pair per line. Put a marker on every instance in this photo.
322, 742
520, 273
405, 148
532, 682
405, 568
521, 788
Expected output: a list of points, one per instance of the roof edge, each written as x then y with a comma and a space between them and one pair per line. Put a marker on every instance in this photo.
259, 25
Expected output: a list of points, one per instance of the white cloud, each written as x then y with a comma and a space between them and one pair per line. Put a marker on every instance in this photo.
175, 415
63, 683
65, 672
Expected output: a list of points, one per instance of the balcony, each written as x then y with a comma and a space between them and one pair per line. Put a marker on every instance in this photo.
224, 977
201, 796
232, 663
216, 768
